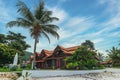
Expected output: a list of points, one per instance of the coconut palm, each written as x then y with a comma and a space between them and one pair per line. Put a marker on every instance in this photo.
114, 54
39, 22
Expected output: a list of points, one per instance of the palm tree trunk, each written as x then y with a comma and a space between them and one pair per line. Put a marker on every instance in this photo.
35, 44
33, 62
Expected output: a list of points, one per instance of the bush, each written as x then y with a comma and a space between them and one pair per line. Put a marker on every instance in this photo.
14, 68
83, 68
102, 66
5, 67
116, 64
4, 70
28, 66
72, 65
82, 58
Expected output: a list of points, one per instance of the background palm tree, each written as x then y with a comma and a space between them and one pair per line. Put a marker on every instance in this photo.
114, 55
38, 22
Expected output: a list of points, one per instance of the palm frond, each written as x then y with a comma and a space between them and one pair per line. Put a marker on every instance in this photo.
39, 11
25, 11
17, 24
48, 19
46, 36
52, 26
55, 34
51, 32
24, 21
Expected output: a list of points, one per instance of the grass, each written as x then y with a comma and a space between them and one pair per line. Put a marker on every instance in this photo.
4, 70
116, 67
9, 70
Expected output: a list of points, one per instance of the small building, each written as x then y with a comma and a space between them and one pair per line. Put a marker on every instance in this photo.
107, 63
54, 59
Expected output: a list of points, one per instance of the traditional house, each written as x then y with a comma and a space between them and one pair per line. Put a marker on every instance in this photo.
54, 59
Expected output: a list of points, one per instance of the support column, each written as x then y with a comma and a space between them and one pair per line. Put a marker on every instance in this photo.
59, 63
42, 65
53, 62
46, 65
64, 64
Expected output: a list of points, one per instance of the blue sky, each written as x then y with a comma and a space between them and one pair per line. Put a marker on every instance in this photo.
80, 20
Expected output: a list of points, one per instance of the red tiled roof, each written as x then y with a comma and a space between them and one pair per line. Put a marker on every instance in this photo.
69, 50
37, 54
60, 47
72, 48
107, 62
47, 53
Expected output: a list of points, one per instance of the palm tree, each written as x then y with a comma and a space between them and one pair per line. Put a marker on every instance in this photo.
114, 54
38, 22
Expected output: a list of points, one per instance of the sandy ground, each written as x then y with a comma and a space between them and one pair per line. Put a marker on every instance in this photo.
108, 74
8, 76
90, 76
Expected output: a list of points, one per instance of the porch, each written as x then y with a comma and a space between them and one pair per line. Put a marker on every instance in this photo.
54, 63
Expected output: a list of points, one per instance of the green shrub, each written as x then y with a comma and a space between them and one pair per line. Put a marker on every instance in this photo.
28, 66
102, 66
82, 58
5, 67
4, 70
83, 68
72, 65
14, 68
53, 67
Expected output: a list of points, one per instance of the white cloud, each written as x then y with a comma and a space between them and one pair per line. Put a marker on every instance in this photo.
112, 5
115, 34
113, 9
79, 24
43, 44
66, 44
97, 40
75, 21
113, 12
63, 33
103, 52
63, 0
5, 13
72, 31
114, 21
67, 31
59, 13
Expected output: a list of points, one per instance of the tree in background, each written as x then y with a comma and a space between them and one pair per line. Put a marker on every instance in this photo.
38, 22
10, 45
88, 44
2, 38
114, 55
82, 58
7, 54
101, 56
17, 41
